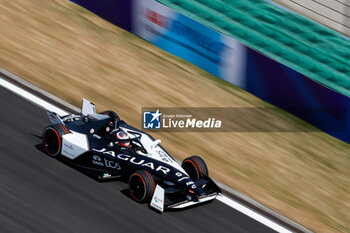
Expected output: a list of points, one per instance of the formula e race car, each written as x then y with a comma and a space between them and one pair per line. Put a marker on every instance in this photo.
106, 147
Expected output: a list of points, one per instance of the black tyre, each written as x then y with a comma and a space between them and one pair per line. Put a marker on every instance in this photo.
195, 167
112, 115
52, 139
141, 186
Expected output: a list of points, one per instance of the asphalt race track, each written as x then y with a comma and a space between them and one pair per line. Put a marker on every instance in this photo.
42, 194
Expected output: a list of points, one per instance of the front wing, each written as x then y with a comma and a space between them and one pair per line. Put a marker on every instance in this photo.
178, 197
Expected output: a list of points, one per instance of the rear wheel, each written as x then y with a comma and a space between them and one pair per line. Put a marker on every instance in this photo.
141, 186
195, 167
52, 139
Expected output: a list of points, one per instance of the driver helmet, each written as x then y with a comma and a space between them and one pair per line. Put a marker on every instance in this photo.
123, 138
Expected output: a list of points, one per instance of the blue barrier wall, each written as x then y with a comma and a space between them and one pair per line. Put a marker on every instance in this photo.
117, 12
231, 61
284, 87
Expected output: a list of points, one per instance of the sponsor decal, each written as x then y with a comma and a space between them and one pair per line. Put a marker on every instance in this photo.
164, 156
199, 198
173, 30
189, 183
112, 164
158, 200
156, 18
68, 149
178, 203
69, 146
97, 160
70, 155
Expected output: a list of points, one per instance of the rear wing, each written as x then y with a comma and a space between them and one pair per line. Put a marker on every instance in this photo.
54, 118
87, 107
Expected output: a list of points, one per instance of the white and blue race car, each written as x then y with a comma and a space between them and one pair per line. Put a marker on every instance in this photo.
106, 147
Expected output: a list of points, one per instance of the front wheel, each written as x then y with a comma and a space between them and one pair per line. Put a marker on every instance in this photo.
195, 167
141, 186
52, 139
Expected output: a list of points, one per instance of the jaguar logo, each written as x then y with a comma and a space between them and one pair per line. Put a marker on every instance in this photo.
134, 160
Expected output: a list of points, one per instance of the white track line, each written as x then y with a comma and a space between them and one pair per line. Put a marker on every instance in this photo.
241, 208
32, 98
258, 217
